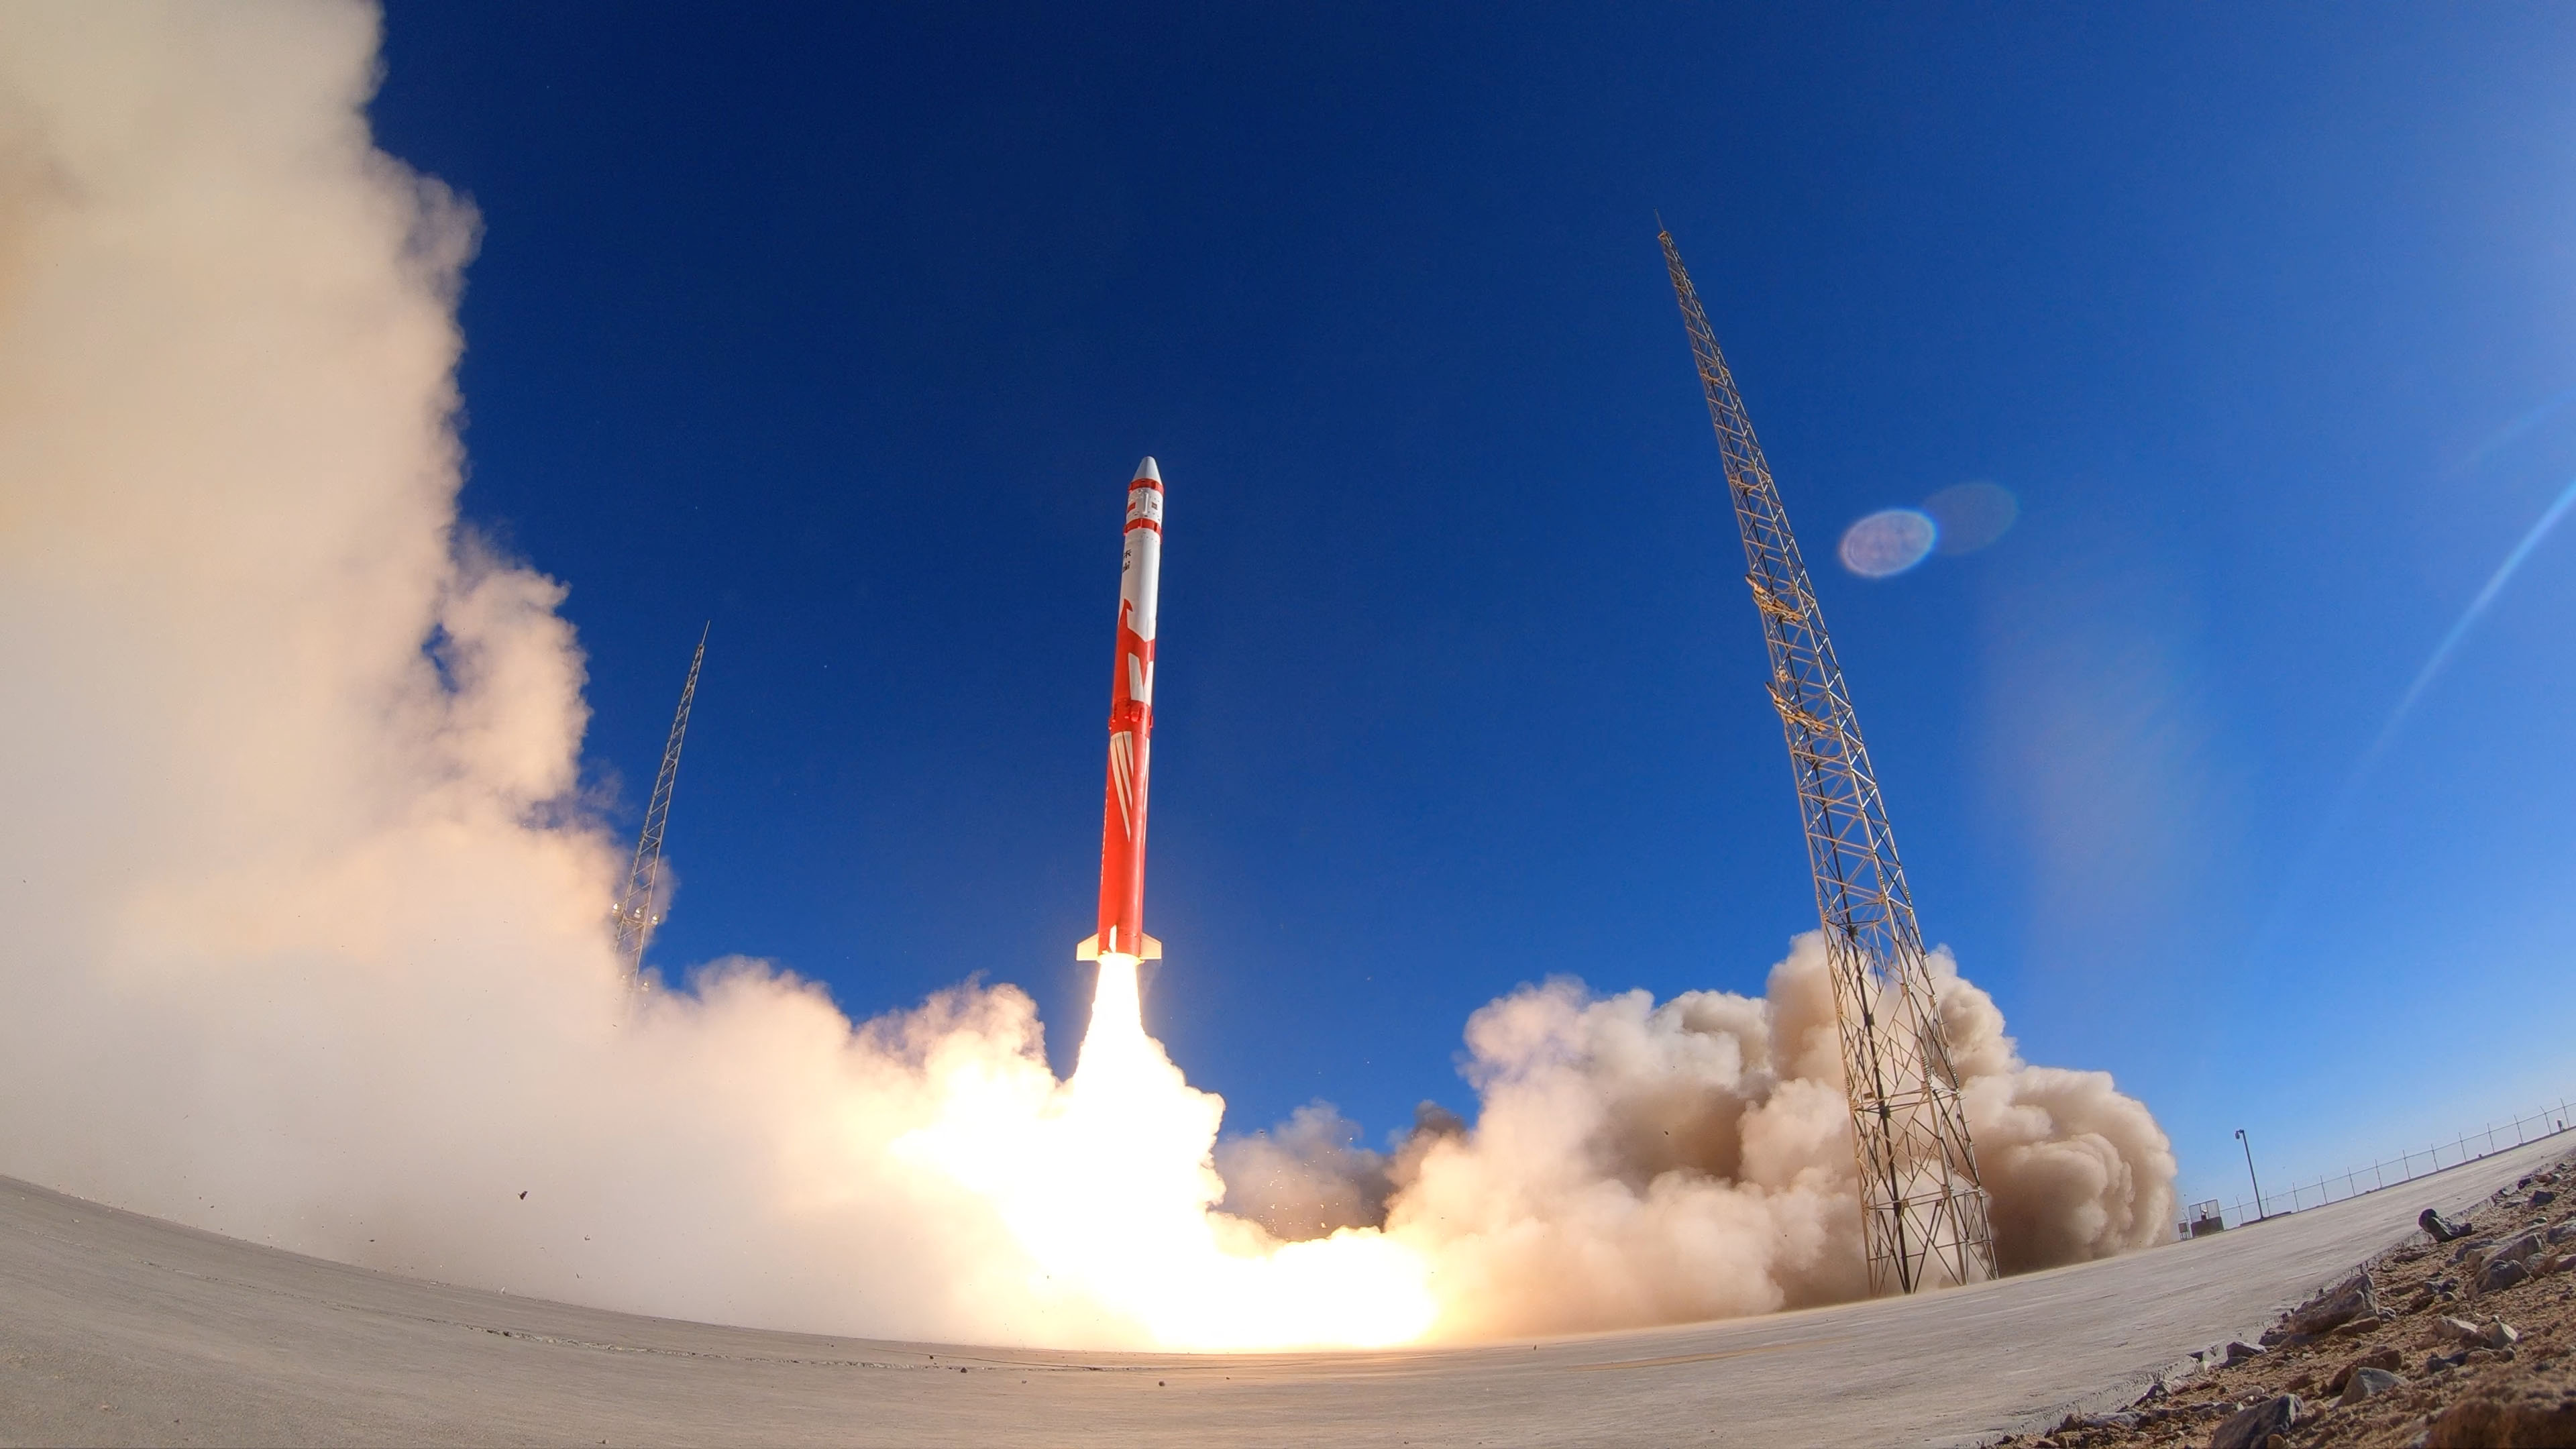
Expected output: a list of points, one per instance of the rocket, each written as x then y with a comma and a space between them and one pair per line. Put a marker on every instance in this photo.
1131, 732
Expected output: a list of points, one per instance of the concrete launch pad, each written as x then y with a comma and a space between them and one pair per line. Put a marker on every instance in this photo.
116, 1328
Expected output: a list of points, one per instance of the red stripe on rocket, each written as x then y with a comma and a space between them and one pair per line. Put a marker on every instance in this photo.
1131, 732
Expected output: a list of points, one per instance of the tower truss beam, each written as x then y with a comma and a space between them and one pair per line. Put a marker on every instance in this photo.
1924, 1212
639, 910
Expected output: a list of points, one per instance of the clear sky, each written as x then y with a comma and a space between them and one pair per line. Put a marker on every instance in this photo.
842, 327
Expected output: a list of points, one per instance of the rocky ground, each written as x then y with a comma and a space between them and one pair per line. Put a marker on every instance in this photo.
2463, 1335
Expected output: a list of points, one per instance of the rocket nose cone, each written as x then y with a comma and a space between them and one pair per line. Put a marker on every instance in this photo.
1146, 470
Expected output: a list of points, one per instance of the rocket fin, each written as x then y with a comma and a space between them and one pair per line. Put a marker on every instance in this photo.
1089, 949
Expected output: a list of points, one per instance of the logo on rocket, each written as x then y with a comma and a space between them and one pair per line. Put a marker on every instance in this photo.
1131, 732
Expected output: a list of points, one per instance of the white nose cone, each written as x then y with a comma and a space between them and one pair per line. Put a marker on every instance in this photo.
1146, 470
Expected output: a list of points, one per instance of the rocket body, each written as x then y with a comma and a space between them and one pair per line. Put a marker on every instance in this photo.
1131, 730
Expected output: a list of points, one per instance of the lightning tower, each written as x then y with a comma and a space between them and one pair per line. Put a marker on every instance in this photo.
1923, 1209
640, 910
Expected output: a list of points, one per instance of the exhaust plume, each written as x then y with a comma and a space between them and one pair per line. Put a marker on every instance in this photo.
308, 938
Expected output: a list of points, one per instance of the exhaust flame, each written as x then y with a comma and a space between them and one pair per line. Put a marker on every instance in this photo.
1106, 1186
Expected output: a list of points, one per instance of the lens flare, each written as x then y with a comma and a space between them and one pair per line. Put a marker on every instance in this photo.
1972, 515
2468, 619
1888, 542
1108, 1186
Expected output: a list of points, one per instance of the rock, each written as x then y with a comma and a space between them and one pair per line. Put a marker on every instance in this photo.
2121, 1421
2499, 1335
2534, 1417
2238, 1351
2248, 1427
2562, 1232
2460, 1328
2498, 1276
2366, 1382
2443, 1229
2386, 1358
2543, 1198
2350, 1299
2467, 1247
2518, 1248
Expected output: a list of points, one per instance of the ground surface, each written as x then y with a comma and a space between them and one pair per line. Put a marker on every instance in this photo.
121, 1329
2509, 1387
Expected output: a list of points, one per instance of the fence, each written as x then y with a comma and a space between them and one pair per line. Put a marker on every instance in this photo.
2532, 1126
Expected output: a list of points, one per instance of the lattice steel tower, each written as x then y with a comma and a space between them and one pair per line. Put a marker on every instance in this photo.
1923, 1209
640, 910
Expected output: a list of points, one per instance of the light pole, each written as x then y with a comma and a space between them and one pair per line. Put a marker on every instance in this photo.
2259, 1214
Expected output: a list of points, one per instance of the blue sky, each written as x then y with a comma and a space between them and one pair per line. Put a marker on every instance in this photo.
842, 326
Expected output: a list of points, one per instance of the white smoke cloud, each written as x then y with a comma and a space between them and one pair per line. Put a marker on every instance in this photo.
304, 946
308, 938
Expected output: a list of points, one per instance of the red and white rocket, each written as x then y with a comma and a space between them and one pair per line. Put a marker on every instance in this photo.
1131, 732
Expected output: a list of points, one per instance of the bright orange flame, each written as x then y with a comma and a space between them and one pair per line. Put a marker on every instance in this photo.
1107, 1185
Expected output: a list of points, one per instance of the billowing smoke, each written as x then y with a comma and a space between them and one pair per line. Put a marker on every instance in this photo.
1642, 1163
306, 929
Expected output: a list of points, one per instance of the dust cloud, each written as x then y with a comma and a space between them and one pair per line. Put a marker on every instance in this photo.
307, 937
1643, 1162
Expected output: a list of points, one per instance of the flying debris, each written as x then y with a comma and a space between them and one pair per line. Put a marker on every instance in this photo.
1131, 731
